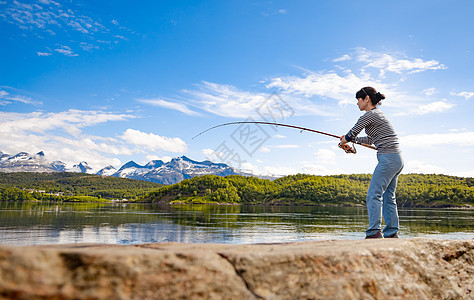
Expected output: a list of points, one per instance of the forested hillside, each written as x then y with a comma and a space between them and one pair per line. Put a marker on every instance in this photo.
414, 190
60, 186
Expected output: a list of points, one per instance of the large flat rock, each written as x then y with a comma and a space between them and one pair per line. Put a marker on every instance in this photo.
343, 269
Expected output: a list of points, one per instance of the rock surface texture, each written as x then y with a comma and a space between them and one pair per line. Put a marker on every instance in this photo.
345, 269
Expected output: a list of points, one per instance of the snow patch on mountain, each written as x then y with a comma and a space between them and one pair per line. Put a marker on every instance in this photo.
24, 162
82, 167
107, 171
174, 171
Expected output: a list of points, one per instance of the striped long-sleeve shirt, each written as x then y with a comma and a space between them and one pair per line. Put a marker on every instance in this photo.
380, 132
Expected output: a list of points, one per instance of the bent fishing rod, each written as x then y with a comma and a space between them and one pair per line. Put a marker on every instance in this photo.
351, 150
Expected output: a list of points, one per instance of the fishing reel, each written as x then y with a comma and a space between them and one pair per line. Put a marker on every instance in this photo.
348, 148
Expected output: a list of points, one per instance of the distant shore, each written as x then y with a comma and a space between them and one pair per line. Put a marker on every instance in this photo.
414, 190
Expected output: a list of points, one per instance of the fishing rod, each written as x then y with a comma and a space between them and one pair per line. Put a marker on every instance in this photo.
348, 149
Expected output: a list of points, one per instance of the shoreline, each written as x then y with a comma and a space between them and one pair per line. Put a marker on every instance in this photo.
466, 207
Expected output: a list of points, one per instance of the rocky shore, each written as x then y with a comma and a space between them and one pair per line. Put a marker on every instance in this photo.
343, 269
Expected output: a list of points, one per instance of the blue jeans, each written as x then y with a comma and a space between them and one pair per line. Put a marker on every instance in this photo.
381, 194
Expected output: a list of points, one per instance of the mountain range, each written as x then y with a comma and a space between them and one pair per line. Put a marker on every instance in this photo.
158, 171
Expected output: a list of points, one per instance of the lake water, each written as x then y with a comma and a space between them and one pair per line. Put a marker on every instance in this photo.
30, 223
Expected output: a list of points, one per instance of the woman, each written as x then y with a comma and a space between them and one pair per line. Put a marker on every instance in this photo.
381, 194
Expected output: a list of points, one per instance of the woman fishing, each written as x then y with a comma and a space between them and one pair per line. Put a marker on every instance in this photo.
380, 132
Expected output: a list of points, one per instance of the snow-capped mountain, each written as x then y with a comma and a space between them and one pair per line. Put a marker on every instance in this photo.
173, 171
59, 166
107, 171
3, 156
156, 170
24, 162
82, 167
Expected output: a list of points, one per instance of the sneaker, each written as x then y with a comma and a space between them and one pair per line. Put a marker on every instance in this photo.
378, 235
393, 236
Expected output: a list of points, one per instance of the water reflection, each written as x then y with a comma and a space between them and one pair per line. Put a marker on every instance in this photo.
31, 223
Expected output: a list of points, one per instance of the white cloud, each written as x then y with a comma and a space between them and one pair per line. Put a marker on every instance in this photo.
8, 98
77, 26
438, 106
342, 84
61, 137
266, 149
52, 18
155, 157
40, 122
325, 85
278, 171
285, 146
154, 142
467, 95
23, 99
230, 158
65, 50
422, 109
50, 14
208, 152
427, 140
326, 156
469, 173
342, 58
398, 64
298, 92
422, 168
308, 168
229, 101
429, 92
251, 168
277, 12
44, 53
316, 169
170, 105
88, 46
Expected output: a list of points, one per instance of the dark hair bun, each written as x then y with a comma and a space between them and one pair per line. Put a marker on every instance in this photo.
379, 96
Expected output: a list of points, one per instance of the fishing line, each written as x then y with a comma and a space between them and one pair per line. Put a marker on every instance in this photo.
282, 125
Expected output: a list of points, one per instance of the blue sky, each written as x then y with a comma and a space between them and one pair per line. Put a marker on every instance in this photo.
110, 81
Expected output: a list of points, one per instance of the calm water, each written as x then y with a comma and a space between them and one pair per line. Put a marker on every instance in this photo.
39, 223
